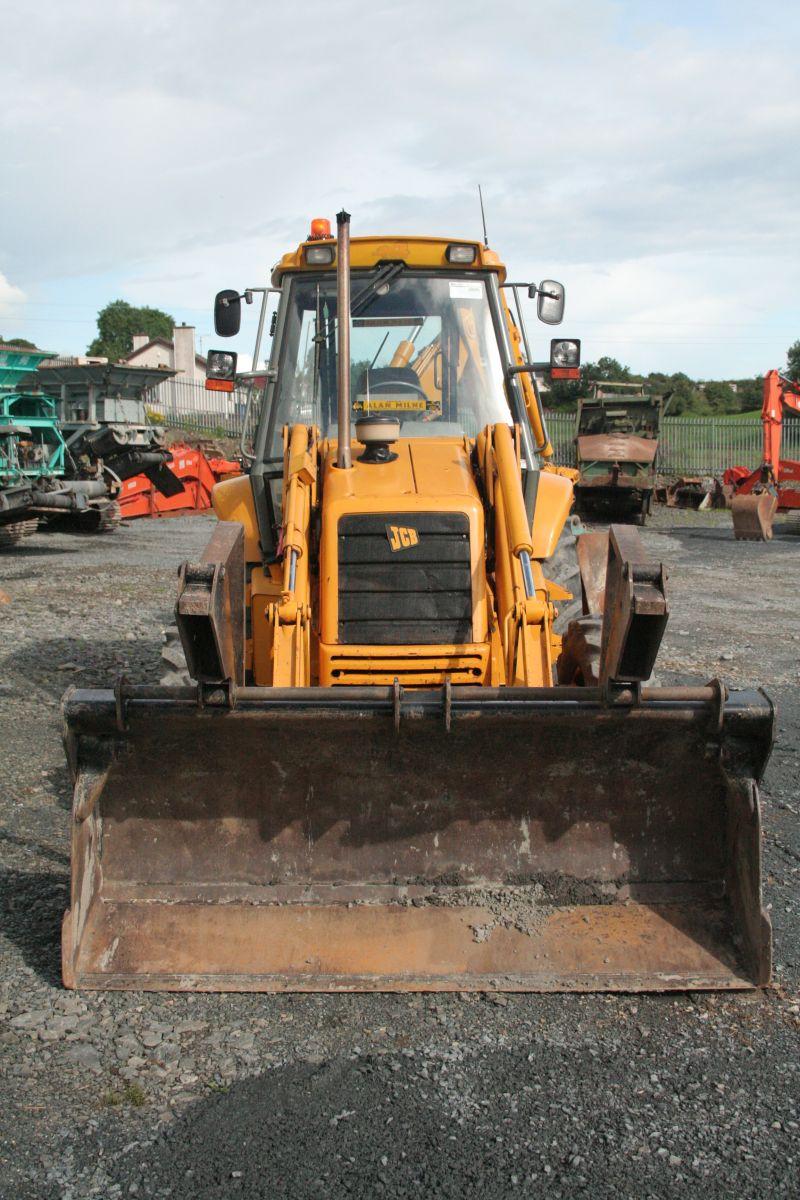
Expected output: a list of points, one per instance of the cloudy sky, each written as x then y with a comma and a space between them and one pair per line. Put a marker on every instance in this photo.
646, 153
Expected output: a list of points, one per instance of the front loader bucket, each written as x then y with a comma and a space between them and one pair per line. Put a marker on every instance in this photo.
366, 839
753, 515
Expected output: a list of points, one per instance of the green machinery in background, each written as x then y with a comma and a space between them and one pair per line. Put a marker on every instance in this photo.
616, 444
33, 458
103, 413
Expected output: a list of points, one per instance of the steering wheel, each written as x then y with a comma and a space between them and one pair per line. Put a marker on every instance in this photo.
390, 385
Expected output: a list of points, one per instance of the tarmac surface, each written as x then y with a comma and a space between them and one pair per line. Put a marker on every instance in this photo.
157, 1095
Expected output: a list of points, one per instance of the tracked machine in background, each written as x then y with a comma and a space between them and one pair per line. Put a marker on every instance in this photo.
756, 496
108, 434
616, 443
36, 483
395, 768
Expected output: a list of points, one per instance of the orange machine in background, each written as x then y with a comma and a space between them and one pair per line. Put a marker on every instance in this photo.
774, 486
197, 471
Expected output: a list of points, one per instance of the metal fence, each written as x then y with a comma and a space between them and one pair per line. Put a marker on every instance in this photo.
687, 446
690, 445
182, 404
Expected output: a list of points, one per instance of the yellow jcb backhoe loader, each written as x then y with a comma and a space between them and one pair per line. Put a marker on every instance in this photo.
395, 769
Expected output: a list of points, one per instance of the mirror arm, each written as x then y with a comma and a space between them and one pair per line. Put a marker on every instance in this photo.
529, 368
247, 296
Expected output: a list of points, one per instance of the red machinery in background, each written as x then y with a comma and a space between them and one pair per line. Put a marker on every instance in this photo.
197, 470
774, 486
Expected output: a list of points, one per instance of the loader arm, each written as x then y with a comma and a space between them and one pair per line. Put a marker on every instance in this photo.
757, 495
778, 393
543, 444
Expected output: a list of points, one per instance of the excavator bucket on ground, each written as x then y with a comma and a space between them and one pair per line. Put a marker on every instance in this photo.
753, 515
316, 843
401, 764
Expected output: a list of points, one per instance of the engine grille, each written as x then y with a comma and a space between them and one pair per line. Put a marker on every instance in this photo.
420, 593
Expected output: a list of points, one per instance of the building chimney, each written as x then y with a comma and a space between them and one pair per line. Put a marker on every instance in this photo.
183, 341
139, 340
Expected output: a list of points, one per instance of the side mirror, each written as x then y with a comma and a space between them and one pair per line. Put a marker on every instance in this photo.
227, 313
550, 302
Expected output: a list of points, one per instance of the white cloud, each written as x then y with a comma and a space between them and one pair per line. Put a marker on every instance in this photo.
12, 300
9, 294
683, 311
183, 147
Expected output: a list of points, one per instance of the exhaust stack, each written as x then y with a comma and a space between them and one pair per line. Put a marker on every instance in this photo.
344, 458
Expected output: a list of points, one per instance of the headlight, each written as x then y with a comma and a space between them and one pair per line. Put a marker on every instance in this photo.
461, 254
221, 364
319, 256
565, 358
220, 371
565, 353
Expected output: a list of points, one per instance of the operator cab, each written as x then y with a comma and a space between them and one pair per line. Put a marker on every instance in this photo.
423, 348
432, 340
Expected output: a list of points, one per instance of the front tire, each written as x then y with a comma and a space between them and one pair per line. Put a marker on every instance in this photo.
562, 568
579, 661
175, 672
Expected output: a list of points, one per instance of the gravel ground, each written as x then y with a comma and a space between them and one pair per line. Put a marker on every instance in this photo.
210, 1096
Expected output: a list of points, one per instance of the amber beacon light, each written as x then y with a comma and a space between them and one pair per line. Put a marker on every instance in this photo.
320, 228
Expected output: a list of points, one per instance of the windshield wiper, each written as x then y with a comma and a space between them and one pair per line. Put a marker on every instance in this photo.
365, 297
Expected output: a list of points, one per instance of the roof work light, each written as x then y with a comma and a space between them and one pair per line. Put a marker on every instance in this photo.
461, 254
319, 256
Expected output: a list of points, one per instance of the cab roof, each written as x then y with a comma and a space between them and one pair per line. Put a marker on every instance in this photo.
417, 253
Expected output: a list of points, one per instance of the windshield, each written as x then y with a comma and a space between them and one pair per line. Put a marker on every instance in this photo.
423, 348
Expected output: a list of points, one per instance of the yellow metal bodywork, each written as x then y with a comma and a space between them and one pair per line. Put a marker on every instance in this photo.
293, 638
232, 500
417, 253
543, 444
429, 474
553, 502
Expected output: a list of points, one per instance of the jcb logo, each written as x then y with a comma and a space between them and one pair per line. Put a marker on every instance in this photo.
401, 537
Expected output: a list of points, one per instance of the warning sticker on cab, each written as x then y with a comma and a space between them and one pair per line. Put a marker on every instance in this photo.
465, 289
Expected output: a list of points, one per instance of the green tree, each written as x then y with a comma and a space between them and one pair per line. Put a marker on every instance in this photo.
793, 361
749, 393
720, 397
20, 342
607, 370
119, 321
564, 393
686, 398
